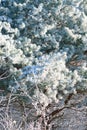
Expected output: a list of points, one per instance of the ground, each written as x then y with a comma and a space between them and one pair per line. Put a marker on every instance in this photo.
15, 114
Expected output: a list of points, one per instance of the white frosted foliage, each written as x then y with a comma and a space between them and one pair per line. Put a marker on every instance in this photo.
42, 44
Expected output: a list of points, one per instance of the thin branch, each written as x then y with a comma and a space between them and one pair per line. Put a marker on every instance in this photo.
6, 72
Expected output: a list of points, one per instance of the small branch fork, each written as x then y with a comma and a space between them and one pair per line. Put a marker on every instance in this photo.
56, 113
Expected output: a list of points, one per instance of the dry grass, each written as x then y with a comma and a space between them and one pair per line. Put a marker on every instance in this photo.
16, 114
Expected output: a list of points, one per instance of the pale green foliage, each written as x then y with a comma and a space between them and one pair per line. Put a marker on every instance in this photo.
58, 79
39, 38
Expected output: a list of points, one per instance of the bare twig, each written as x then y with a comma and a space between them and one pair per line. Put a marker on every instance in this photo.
3, 76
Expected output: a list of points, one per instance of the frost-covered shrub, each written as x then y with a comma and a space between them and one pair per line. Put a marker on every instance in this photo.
37, 40
54, 80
